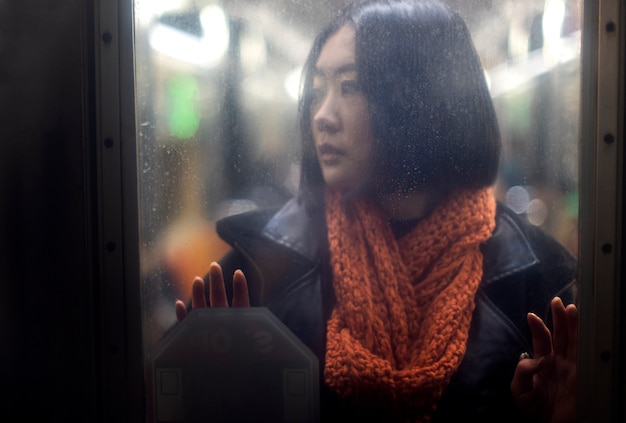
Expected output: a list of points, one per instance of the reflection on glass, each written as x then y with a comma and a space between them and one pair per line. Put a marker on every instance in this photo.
217, 86
217, 92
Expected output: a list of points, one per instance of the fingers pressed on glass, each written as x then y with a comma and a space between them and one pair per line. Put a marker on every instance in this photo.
217, 290
572, 330
240, 290
560, 323
181, 310
525, 371
198, 299
542, 339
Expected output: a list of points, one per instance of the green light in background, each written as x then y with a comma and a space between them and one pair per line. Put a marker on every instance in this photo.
183, 120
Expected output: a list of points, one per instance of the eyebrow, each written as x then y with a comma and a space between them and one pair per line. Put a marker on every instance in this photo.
347, 68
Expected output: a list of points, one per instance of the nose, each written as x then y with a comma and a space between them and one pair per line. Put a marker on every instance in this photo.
326, 116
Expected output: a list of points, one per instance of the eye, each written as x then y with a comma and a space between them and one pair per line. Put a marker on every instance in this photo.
349, 87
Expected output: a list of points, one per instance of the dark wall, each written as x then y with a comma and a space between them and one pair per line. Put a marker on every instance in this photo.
46, 331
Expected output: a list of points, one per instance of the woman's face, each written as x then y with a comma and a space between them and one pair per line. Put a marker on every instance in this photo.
339, 114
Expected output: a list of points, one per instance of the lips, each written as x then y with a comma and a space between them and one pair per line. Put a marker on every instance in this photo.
329, 153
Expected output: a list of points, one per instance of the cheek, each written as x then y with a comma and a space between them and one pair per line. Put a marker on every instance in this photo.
364, 139
364, 155
361, 116
312, 124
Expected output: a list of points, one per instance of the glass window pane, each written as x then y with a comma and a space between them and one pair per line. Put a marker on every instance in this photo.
217, 106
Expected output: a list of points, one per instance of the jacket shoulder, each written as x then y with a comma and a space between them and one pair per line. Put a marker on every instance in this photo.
272, 247
524, 269
522, 265
245, 224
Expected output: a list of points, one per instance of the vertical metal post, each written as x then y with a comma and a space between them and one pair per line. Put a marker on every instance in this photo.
601, 150
123, 398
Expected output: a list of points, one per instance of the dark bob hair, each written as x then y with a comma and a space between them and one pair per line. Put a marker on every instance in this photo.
432, 115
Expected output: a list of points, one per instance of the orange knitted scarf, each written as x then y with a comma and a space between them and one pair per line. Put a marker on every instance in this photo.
399, 328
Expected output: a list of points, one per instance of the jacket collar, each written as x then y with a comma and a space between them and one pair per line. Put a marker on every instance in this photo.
293, 228
507, 252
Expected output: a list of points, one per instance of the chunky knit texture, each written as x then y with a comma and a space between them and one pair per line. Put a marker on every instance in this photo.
399, 328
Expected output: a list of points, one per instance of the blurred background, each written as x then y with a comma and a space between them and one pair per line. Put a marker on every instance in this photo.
217, 86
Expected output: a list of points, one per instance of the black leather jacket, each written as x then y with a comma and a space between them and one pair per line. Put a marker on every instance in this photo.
523, 270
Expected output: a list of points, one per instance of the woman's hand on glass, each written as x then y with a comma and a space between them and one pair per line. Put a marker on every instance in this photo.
544, 386
217, 292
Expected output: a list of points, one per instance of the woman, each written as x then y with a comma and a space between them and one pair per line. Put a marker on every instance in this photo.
394, 264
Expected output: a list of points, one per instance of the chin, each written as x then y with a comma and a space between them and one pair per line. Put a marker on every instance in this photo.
340, 187
337, 183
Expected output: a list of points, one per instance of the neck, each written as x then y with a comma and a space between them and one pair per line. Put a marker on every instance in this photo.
410, 205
